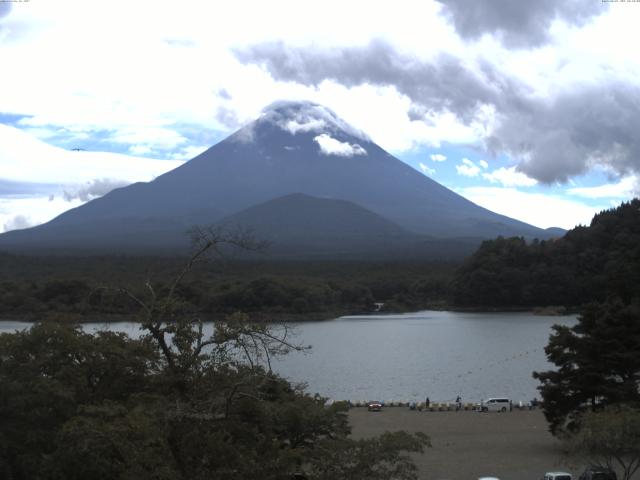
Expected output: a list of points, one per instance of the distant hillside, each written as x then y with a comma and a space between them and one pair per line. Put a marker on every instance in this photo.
304, 217
302, 224
587, 264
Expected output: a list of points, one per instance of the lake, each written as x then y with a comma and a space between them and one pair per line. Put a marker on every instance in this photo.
406, 357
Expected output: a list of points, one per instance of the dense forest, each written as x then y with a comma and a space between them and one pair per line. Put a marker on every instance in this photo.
590, 263
85, 288
175, 404
587, 264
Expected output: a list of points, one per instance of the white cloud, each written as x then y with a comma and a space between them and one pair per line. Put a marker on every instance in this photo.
382, 113
541, 210
88, 94
331, 146
139, 149
296, 116
484, 164
93, 189
624, 189
437, 157
189, 74
510, 177
69, 178
188, 71
22, 212
187, 153
426, 170
153, 137
312, 124
467, 168
16, 223
24, 158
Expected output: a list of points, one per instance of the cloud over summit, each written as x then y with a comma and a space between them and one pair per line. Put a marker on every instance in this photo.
551, 138
331, 146
305, 116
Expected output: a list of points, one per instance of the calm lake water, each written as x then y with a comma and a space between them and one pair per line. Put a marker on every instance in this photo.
406, 357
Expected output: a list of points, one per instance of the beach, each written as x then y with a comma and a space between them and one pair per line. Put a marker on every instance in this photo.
468, 444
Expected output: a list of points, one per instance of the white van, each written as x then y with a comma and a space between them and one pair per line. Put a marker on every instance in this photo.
557, 476
495, 405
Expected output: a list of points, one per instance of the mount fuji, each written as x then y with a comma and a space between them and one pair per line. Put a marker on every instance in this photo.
299, 176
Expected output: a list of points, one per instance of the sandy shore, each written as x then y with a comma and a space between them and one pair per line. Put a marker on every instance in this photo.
466, 445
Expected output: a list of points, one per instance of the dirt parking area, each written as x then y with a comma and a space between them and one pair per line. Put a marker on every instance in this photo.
467, 444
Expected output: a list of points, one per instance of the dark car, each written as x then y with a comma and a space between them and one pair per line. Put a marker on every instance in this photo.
374, 406
598, 473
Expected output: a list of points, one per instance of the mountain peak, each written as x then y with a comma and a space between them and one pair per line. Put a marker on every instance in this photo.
293, 147
306, 116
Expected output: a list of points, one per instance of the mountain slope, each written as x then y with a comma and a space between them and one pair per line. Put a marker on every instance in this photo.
293, 147
300, 216
300, 225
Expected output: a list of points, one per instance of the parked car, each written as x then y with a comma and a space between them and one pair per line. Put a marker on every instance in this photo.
598, 473
557, 476
374, 406
499, 404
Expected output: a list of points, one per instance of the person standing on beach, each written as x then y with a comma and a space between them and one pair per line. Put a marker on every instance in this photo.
427, 403
458, 403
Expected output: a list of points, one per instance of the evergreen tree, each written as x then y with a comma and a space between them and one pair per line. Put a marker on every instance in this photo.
598, 362
587, 264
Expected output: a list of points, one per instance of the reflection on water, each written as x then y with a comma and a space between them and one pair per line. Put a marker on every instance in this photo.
411, 356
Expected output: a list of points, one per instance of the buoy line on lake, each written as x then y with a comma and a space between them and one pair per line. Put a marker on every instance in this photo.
434, 406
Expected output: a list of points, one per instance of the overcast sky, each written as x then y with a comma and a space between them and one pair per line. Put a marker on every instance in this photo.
531, 109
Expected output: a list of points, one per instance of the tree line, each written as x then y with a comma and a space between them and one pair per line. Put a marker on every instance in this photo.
590, 263
587, 264
295, 290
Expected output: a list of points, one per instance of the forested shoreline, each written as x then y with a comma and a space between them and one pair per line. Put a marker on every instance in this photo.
80, 289
590, 263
